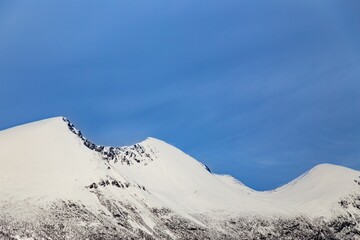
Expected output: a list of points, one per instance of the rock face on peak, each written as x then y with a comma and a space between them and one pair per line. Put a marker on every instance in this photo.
56, 184
127, 154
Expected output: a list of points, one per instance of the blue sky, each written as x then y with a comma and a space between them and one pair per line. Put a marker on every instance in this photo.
261, 90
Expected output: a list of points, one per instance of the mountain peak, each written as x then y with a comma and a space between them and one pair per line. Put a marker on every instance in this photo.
50, 126
329, 167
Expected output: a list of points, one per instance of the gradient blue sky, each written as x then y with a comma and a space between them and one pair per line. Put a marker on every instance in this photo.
261, 90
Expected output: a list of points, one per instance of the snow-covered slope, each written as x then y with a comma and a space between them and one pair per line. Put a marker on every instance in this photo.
49, 170
319, 190
186, 185
44, 160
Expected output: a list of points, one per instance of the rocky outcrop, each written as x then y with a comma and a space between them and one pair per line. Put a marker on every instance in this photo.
127, 155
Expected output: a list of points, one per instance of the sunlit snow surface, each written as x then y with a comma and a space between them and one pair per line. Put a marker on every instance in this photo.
48, 176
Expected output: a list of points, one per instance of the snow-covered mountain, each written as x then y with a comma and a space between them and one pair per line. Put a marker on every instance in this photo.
56, 184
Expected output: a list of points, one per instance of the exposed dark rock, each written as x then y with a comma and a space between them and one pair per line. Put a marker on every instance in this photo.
93, 186
70, 220
128, 155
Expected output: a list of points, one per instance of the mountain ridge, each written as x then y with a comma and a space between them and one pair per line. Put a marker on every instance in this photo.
61, 119
150, 187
